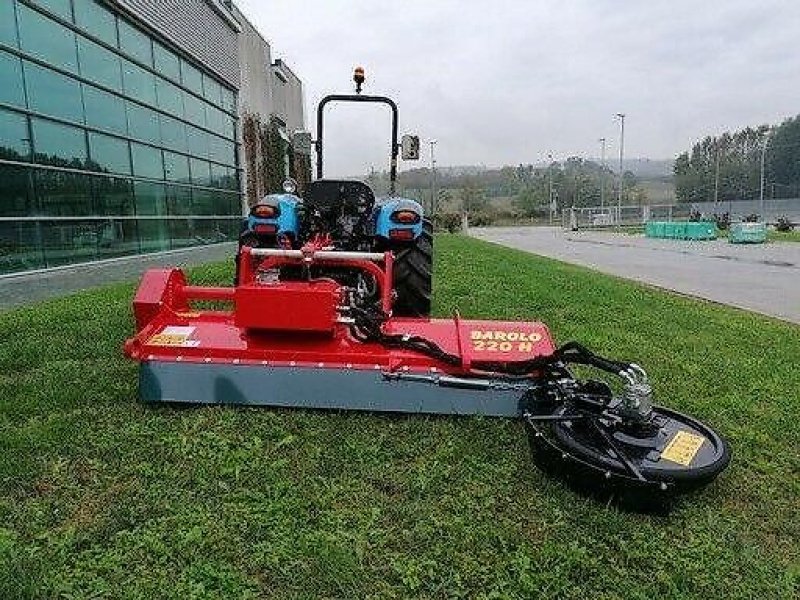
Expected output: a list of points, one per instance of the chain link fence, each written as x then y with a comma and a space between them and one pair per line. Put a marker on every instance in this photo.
599, 217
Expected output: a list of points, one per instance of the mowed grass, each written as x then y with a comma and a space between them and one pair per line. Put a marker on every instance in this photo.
101, 497
783, 236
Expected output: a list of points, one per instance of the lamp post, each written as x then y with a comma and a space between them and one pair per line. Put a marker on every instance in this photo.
602, 141
621, 117
434, 199
767, 135
550, 186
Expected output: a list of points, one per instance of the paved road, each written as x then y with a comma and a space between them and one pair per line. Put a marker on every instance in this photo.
22, 289
764, 278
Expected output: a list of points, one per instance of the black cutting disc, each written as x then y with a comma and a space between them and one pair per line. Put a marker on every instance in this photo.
675, 452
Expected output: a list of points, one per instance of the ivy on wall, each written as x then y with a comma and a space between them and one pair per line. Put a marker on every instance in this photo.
267, 154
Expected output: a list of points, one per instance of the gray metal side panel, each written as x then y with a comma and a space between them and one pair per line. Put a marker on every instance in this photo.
196, 28
314, 388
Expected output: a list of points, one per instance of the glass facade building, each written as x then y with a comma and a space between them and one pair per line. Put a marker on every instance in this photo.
111, 142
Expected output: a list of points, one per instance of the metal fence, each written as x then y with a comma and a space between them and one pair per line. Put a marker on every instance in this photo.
773, 208
626, 216
631, 216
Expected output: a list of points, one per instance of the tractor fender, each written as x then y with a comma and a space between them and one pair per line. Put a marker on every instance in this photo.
287, 220
384, 222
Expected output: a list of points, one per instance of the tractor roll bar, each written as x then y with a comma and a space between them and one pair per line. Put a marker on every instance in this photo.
359, 98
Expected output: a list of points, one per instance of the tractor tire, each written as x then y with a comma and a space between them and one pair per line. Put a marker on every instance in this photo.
413, 276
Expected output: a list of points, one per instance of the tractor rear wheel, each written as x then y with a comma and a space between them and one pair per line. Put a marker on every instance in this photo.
413, 276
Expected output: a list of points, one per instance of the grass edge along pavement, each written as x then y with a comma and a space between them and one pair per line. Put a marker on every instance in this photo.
100, 496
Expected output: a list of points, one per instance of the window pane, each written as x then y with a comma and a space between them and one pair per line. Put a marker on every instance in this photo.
218, 175
104, 110
61, 8
210, 202
112, 196
221, 151
46, 39
99, 65
15, 201
166, 62
228, 100
212, 91
170, 97
11, 91
176, 167
173, 133
109, 154
153, 235
230, 128
195, 109
53, 94
147, 161
198, 141
58, 144
192, 78
179, 202
216, 120
115, 238
8, 24
62, 194
19, 246
135, 44
143, 124
201, 174
139, 84
97, 20
182, 233
14, 142
150, 198
231, 182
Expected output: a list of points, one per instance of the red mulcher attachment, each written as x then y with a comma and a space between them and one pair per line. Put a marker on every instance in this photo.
310, 342
299, 343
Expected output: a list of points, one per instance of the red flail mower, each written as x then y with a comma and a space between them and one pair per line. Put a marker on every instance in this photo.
330, 311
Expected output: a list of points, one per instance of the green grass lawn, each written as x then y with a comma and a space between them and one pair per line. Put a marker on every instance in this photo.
101, 497
783, 236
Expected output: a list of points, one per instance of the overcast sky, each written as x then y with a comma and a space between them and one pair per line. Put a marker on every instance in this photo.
505, 82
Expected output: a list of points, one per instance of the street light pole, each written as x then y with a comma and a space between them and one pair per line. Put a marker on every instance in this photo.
550, 186
621, 117
763, 164
716, 177
602, 141
434, 199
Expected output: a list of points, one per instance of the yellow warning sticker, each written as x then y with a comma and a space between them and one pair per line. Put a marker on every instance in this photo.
164, 339
682, 448
174, 336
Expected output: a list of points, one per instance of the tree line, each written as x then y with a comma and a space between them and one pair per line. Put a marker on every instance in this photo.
728, 166
573, 182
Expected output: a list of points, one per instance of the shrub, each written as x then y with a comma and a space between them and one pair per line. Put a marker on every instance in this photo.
481, 219
751, 218
783, 224
450, 222
723, 221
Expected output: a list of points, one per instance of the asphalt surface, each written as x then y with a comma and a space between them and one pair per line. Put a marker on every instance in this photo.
24, 288
764, 278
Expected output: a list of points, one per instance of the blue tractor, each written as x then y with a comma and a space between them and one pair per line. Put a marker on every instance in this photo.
347, 213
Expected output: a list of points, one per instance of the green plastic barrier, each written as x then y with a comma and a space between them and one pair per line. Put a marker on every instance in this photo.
681, 230
701, 230
748, 233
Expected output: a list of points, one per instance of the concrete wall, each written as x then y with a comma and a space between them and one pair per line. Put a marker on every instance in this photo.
204, 29
287, 96
266, 89
255, 56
